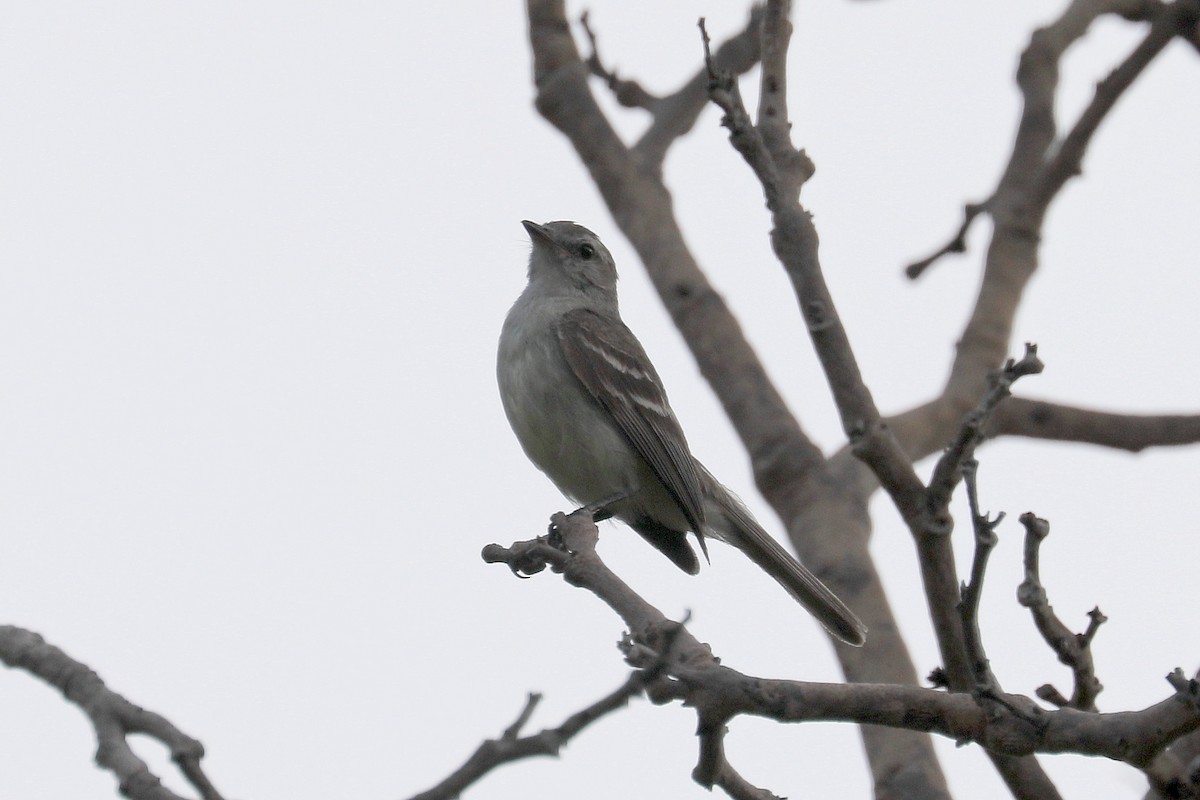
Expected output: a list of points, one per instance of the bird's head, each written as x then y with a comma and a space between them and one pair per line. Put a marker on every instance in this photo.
569, 259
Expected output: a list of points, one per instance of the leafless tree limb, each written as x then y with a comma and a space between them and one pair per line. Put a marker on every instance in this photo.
574, 556
1014, 726
1066, 160
1133, 737
795, 244
1036, 170
112, 716
778, 166
1042, 419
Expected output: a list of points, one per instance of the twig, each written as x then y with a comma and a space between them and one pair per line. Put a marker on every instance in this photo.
1073, 650
1172, 20
628, 93
948, 469
531, 703
957, 244
972, 590
511, 746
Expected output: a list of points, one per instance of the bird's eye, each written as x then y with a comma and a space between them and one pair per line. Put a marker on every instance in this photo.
586, 250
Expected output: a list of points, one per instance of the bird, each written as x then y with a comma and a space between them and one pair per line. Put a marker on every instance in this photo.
590, 411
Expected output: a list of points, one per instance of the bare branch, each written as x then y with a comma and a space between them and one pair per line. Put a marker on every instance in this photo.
1042, 419
1018, 204
1024, 776
1066, 161
113, 717
933, 542
1134, 737
795, 242
1012, 726
656, 643
774, 121
893, 758
739, 788
531, 704
719, 693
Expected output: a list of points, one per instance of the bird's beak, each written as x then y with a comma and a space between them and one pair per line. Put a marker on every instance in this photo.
538, 233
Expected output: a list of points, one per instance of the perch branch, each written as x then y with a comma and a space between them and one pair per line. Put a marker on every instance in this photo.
683, 669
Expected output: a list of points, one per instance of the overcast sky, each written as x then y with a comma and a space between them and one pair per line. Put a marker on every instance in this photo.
254, 257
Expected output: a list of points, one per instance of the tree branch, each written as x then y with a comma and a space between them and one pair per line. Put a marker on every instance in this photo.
1042, 419
1013, 726
794, 239
112, 716
1066, 161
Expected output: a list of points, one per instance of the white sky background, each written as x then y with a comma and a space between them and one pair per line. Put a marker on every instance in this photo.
254, 258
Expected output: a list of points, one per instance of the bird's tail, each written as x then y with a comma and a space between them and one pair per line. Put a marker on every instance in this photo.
737, 526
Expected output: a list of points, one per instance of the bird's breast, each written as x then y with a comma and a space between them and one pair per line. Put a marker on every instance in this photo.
561, 427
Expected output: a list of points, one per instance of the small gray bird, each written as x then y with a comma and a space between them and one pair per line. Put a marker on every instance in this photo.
591, 412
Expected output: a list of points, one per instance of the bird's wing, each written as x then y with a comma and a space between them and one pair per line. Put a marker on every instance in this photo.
610, 362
